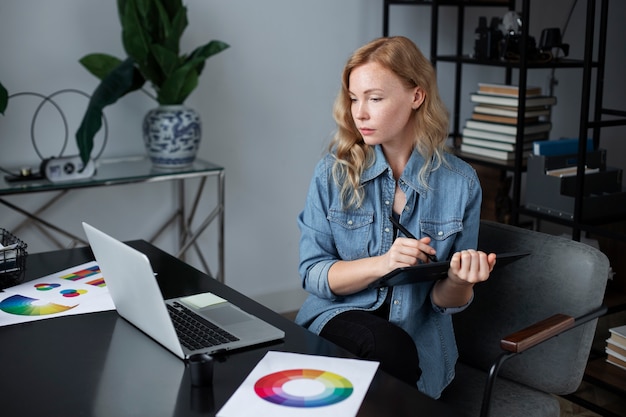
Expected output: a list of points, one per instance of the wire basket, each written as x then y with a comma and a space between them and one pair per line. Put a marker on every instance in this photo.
12, 259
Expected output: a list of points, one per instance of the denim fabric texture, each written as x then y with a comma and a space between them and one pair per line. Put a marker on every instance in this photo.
448, 211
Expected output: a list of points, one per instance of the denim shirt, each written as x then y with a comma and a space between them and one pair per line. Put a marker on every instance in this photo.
448, 211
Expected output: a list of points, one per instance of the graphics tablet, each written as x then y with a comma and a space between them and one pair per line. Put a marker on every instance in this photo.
433, 271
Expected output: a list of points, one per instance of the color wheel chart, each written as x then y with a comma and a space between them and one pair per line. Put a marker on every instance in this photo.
77, 290
26, 306
299, 385
303, 388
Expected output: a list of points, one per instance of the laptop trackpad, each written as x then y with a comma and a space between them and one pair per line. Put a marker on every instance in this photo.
226, 315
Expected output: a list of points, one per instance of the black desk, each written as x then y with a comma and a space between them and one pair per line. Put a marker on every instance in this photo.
99, 365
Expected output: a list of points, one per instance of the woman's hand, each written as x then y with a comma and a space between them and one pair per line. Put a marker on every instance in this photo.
471, 266
467, 268
408, 252
348, 277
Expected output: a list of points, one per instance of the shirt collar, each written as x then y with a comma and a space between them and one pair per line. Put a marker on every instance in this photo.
410, 175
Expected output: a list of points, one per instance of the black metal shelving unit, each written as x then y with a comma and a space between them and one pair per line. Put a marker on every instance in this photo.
588, 64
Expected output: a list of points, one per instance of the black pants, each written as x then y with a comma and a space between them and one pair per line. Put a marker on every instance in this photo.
369, 335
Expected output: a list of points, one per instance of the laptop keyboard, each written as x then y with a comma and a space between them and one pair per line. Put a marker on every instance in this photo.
194, 331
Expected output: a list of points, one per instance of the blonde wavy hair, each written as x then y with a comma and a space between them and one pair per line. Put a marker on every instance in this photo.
352, 155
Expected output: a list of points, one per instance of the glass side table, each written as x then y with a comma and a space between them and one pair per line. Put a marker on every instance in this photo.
136, 170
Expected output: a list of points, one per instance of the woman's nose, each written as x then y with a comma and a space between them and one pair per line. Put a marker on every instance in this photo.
360, 112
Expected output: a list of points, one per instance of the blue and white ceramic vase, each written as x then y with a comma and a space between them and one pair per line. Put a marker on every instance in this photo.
172, 135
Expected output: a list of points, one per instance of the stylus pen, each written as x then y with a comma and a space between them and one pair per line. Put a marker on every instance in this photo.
408, 234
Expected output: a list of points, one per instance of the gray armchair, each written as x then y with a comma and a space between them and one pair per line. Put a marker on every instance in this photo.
528, 333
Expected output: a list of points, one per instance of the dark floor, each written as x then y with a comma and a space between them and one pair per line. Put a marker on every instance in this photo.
609, 401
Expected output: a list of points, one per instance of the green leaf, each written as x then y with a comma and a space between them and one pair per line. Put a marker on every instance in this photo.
119, 82
181, 83
175, 30
178, 86
135, 39
4, 98
100, 65
202, 53
144, 8
172, 6
161, 27
154, 19
167, 60
138, 39
121, 8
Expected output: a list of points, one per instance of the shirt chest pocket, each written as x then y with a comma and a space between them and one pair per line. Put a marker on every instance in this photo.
440, 231
351, 231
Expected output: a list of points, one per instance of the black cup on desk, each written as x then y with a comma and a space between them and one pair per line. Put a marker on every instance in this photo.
201, 370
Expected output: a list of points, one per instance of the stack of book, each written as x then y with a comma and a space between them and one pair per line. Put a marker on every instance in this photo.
616, 347
492, 130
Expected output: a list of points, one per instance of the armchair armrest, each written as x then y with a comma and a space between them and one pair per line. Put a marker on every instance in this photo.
537, 333
531, 336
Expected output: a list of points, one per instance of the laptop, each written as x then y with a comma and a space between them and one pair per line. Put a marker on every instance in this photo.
138, 299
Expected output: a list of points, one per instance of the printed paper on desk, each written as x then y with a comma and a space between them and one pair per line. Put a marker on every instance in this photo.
293, 384
77, 290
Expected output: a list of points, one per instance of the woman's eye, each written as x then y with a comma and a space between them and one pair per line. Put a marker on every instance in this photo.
376, 99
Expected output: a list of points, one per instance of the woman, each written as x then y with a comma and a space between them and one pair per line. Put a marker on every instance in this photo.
387, 159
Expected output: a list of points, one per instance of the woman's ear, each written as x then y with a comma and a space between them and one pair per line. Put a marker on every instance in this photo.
418, 97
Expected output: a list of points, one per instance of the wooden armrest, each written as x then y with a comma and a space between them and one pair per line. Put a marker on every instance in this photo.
536, 333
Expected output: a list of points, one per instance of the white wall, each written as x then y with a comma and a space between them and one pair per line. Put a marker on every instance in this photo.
265, 105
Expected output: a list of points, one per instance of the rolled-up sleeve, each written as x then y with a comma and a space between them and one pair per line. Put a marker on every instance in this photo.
449, 310
317, 246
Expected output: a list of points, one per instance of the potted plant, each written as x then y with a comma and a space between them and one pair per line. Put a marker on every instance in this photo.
151, 33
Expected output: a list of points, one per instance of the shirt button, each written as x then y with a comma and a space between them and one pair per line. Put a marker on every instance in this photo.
396, 302
386, 230
350, 222
406, 208
387, 202
440, 233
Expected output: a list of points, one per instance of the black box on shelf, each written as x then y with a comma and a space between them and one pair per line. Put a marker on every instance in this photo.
551, 186
601, 182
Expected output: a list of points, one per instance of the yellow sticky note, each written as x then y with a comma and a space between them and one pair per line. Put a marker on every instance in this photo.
203, 300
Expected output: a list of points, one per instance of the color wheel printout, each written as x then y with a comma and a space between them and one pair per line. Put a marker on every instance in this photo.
292, 384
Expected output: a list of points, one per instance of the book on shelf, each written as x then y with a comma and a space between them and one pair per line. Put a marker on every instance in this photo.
511, 101
502, 119
615, 348
565, 146
494, 144
540, 127
490, 153
508, 111
502, 137
507, 90
618, 335
616, 359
